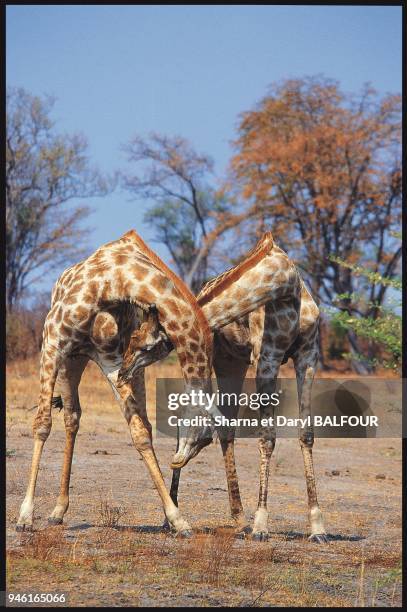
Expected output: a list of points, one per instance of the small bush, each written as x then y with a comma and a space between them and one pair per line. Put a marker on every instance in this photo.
45, 545
24, 331
110, 515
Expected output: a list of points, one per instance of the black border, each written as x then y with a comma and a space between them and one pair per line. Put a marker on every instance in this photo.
3, 224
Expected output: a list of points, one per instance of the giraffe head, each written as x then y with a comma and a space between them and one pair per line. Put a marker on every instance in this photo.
193, 438
147, 344
192, 441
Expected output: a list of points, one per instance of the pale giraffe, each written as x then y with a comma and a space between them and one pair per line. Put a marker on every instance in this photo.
94, 315
287, 326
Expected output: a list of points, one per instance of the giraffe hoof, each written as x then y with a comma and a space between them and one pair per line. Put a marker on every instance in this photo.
319, 538
260, 536
167, 527
184, 533
242, 532
24, 527
54, 521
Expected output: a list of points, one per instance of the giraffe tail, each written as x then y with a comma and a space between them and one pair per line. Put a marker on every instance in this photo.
56, 402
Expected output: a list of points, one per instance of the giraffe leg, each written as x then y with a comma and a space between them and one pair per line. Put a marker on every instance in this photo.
140, 431
266, 382
176, 476
266, 446
305, 371
69, 378
134, 406
41, 429
236, 507
230, 373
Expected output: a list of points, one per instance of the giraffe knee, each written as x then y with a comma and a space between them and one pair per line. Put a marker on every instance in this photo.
310, 371
266, 445
72, 420
141, 437
42, 427
142, 443
307, 439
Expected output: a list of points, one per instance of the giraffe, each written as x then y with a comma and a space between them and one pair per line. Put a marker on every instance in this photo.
95, 314
266, 337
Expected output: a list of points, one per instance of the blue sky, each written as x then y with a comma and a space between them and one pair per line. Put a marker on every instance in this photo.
189, 70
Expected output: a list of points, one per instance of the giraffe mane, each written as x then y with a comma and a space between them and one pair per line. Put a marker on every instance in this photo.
217, 285
178, 283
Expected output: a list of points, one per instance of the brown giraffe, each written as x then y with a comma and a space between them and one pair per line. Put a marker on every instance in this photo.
267, 338
287, 326
95, 314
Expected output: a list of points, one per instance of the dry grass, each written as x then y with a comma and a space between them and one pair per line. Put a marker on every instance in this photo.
46, 545
110, 515
23, 387
111, 562
248, 576
209, 556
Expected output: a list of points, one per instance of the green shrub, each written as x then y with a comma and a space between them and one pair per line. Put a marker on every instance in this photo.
381, 327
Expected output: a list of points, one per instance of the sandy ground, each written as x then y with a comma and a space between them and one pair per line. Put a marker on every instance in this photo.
97, 562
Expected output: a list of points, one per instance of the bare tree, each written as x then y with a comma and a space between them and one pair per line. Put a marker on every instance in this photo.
44, 170
176, 178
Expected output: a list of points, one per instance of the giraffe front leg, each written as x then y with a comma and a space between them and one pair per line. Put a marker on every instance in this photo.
260, 527
141, 434
133, 399
318, 533
236, 507
70, 376
230, 373
25, 519
266, 378
305, 378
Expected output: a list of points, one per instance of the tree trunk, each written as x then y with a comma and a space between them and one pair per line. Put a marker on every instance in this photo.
360, 366
322, 363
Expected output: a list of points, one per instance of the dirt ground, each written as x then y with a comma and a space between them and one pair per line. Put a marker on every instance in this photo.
111, 550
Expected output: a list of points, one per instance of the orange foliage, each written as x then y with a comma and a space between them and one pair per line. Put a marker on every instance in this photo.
324, 169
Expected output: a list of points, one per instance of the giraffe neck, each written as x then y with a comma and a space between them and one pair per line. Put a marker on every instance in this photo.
272, 276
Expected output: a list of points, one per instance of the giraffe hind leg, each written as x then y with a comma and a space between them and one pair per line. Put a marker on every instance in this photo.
230, 373
69, 379
50, 361
236, 507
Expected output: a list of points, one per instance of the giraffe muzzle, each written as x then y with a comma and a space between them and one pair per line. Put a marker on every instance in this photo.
142, 359
188, 451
